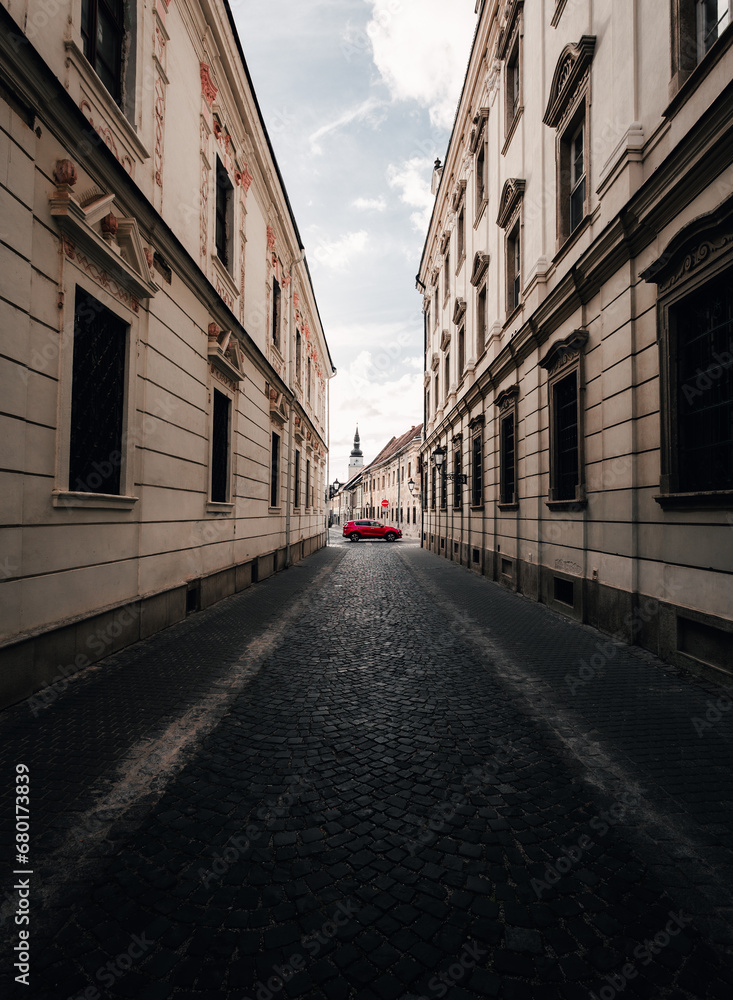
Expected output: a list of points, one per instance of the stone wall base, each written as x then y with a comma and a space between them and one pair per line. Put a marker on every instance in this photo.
681, 636
44, 663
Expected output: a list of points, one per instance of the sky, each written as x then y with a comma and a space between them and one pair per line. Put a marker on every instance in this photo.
359, 97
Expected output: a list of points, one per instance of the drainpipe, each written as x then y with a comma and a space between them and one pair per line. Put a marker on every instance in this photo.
291, 417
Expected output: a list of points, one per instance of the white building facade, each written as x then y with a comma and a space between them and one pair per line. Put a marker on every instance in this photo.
577, 280
164, 366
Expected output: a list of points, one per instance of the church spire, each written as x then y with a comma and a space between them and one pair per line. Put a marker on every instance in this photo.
356, 450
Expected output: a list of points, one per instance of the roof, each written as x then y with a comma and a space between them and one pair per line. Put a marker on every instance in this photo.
395, 447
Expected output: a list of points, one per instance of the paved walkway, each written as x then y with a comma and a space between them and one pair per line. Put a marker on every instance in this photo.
375, 776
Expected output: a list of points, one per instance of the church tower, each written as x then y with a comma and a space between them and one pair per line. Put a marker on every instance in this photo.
356, 459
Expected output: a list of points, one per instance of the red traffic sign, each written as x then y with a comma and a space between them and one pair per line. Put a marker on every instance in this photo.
385, 503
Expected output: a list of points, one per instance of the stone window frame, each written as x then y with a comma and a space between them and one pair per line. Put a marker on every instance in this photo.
569, 107
275, 467
506, 403
227, 504
510, 50
698, 254
479, 149
224, 192
296, 480
459, 208
476, 428
457, 471
566, 358
480, 281
510, 220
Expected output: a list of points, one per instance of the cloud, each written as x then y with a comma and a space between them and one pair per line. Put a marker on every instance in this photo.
421, 49
412, 180
369, 110
338, 254
370, 204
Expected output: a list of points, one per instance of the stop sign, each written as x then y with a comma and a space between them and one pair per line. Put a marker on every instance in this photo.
385, 503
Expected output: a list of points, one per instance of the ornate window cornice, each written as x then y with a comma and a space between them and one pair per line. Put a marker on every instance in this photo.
480, 266
509, 29
479, 124
445, 340
507, 398
458, 195
565, 352
511, 195
459, 310
571, 67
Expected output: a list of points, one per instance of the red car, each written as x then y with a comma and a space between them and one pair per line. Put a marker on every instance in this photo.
356, 530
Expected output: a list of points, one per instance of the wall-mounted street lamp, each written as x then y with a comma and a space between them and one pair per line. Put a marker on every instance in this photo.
439, 459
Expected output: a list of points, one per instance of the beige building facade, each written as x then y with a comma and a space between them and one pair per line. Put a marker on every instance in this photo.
164, 368
393, 476
577, 280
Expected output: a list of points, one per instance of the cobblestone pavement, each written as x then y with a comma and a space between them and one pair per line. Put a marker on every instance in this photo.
375, 776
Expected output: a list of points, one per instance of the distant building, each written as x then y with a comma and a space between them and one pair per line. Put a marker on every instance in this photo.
394, 476
577, 282
165, 372
356, 459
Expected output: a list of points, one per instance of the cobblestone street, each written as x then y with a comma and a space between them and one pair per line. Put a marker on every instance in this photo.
375, 776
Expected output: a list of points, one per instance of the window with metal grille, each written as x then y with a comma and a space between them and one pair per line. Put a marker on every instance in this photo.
296, 480
223, 215
565, 416
457, 473
275, 470
103, 33
477, 493
507, 491
220, 448
97, 397
702, 331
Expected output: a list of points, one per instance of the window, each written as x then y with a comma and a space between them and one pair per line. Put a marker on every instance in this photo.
444, 485
457, 472
712, 17
507, 404
437, 391
308, 502
97, 398
103, 32
276, 318
563, 365
480, 177
224, 221
700, 388
565, 433
298, 356
446, 380
572, 170
414, 514
461, 233
434, 487
513, 85
308, 380
275, 470
296, 480
477, 491
513, 268
220, 447
446, 274
481, 321
461, 351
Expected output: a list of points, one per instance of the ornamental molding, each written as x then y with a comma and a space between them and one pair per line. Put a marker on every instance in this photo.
511, 197
476, 422
510, 28
506, 399
459, 310
426, 380
480, 266
445, 340
564, 353
98, 237
435, 362
479, 124
458, 195
279, 409
444, 241
457, 438
569, 72
700, 242
208, 88
225, 354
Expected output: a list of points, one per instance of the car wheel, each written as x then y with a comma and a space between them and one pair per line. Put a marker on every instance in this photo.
390, 536
354, 536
